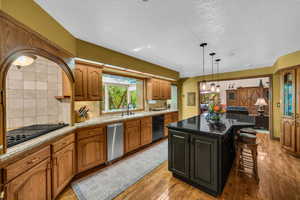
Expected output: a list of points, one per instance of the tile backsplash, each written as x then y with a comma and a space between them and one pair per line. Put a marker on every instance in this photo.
30, 95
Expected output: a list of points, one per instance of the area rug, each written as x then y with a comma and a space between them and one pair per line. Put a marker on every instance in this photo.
113, 180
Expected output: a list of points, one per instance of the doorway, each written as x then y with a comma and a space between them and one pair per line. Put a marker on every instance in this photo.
251, 96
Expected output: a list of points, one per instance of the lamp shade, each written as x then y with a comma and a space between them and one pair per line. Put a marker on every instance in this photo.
260, 102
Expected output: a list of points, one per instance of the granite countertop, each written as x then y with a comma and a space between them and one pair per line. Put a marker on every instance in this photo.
30, 144
117, 117
200, 125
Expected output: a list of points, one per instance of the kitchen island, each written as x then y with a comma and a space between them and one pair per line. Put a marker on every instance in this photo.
202, 153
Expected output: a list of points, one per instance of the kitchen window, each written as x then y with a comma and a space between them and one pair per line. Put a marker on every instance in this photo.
120, 92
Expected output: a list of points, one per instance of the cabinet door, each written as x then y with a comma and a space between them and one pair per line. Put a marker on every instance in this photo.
91, 152
204, 162
63, 168
175, 117
288, 134
231, 97
80, 82
297, 137
132, 138
33, 184
168, 90
288, 94
168, 118
156, 89
146, 130
253, 94
179, 151
94, 84
162, 89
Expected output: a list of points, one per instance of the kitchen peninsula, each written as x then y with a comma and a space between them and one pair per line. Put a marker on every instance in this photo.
201, 153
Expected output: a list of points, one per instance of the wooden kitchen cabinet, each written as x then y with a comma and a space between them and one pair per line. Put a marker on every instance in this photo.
168, 118
132, 135
33, 184
88, 82
146, 130
64, 168
158, 89
91, 151
94, 84
80, 74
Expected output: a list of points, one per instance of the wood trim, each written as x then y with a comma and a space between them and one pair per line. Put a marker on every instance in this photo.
17, 39
88, 64
271, 100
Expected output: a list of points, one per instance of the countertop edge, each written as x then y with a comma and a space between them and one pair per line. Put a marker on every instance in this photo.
53, 135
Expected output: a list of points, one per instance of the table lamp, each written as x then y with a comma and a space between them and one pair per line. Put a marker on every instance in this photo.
261, 102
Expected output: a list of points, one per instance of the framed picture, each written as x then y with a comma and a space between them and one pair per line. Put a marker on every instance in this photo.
191, 99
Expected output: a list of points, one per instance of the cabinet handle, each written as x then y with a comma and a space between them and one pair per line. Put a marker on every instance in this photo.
32, 161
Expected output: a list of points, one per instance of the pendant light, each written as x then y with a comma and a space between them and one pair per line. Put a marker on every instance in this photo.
203, 45
212, 85
218, 86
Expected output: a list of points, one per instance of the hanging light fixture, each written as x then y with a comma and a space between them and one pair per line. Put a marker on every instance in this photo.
212, 85
24, 61
203, 66
218, 86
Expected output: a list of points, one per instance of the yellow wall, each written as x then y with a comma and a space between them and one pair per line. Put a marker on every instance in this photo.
289, 60
190, 85
100, 54
30, 14
33, 16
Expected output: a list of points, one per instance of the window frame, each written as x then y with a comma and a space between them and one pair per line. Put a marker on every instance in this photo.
102, 112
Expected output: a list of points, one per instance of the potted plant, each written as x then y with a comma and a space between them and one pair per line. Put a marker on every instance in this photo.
214, 112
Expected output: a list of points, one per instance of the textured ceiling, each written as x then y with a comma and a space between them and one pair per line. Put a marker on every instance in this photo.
244, 33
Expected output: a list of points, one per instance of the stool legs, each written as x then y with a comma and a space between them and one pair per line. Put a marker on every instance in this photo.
246, 160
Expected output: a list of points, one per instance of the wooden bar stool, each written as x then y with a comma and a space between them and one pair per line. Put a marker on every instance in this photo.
246, 149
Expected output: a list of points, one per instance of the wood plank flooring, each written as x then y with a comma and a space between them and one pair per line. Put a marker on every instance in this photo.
279, 175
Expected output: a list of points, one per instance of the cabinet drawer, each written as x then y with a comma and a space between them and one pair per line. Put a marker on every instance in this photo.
132, 123
147, 121
63, 142
175, 117
168, 118
26, 163
89, 133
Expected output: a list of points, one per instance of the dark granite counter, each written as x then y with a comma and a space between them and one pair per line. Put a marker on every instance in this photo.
200, 125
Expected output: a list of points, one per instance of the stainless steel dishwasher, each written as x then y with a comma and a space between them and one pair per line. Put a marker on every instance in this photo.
115, 144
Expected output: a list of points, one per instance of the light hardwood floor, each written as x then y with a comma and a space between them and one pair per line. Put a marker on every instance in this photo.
279, 180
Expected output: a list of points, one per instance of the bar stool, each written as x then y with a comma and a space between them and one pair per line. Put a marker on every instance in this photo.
246, 148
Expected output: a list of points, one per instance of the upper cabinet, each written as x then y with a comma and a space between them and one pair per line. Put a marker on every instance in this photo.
88, 82
158, 89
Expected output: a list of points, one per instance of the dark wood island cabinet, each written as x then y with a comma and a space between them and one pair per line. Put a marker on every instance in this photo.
202, 154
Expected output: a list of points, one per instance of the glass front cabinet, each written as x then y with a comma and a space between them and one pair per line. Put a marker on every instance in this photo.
290, 104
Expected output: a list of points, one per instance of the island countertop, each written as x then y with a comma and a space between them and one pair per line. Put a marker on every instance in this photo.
200, 125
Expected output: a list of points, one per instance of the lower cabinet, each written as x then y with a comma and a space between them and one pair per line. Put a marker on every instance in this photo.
132, 135
288, 139
146, 130
203, 159
179, 153
91, 152
33, 184
168, 119
63, 169
196, 160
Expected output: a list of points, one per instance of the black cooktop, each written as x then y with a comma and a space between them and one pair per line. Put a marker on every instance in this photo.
23, 134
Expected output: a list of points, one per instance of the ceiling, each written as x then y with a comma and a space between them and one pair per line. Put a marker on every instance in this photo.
245, 34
